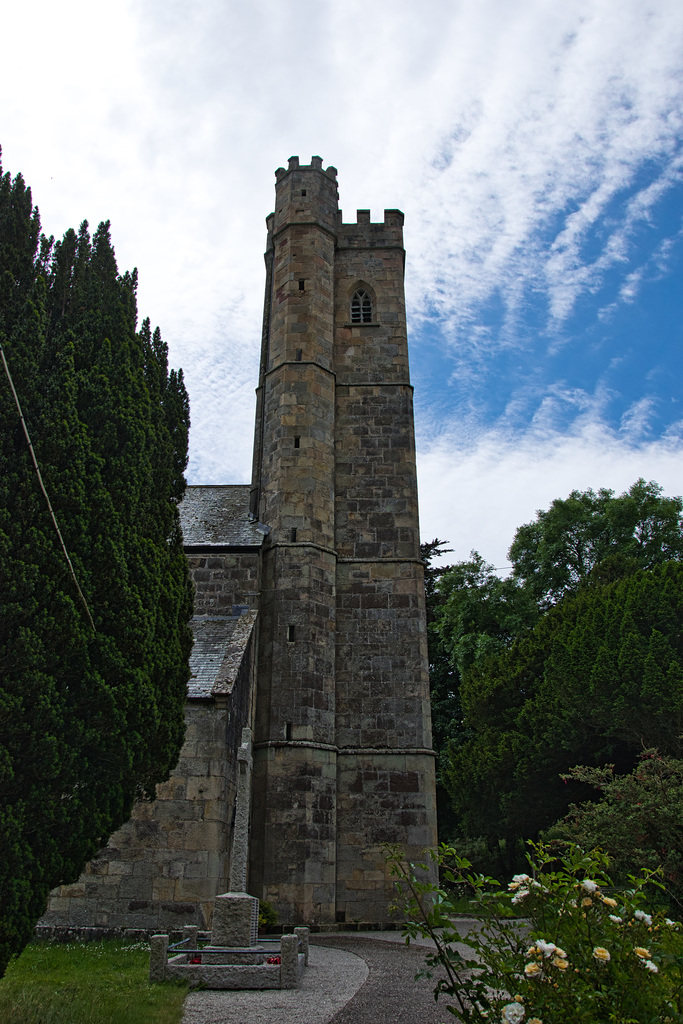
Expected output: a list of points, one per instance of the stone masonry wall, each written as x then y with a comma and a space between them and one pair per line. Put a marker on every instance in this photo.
225, 582
383, 797
385, 766
162, 869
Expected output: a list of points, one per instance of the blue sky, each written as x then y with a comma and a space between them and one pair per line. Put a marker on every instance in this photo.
535, 148
617, 351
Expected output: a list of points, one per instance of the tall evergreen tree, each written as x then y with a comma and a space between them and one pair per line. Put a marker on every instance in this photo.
502, 750
90, 718
599, 678
444, 682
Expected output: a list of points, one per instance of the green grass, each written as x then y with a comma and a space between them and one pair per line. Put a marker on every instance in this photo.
87, 983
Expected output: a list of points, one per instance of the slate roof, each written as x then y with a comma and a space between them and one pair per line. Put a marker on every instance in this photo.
218, 516
219, 646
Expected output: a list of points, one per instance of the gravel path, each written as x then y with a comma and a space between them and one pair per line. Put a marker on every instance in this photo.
390, 995
351, 979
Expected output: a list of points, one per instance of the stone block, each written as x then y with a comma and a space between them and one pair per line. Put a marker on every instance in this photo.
419, 837
97, 867
82, 912
193, 890
135, 888
204, 835
120, 867
144, 869
59, 905
235, 920
205, 788
216, 865
77, 889
174, 867
182, 810
197, 868
163, 889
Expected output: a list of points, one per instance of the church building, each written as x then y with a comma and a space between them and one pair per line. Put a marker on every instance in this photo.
309, 613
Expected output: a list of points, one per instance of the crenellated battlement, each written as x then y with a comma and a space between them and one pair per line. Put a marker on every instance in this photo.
305, 194
316, 164
365, 234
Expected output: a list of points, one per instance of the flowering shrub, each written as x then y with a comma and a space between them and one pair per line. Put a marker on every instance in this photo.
556, 946
637, 820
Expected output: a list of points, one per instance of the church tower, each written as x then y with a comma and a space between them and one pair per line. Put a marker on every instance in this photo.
342, 753
309, 624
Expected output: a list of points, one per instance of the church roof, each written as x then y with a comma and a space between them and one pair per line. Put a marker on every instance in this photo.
217, 516
219, 646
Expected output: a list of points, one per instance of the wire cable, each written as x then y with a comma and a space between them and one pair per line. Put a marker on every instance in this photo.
42, 487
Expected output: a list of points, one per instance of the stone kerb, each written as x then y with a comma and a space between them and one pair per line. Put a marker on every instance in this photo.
215, 971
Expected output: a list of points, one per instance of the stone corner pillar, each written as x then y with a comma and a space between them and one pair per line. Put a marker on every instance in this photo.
289, 966
158, 958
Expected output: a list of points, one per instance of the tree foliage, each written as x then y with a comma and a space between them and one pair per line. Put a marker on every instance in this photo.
472, 614
88, 719
598, 678
443, 678
636, 820
481, 614
489, 638
444, 681
591, 538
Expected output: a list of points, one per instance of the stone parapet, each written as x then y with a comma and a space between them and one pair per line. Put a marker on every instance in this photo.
216, 967
365, 234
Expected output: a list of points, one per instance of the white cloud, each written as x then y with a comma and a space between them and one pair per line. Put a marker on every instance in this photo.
524, 141
475, 496
575, 99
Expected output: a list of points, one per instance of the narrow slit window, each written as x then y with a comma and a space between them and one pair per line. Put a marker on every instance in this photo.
303, 191
299, 354
361, 308
302, 284
288, 730
291, 629
297, 442
292, 535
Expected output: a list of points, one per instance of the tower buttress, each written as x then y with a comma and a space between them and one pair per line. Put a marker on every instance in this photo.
293, 839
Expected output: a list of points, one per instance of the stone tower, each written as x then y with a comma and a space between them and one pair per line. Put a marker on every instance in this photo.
309, 617
342, 754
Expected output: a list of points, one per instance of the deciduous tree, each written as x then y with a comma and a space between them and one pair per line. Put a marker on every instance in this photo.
594, 537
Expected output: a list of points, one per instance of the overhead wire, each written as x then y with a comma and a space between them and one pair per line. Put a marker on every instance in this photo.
42, 487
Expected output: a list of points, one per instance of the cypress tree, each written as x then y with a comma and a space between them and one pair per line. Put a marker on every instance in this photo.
90, 719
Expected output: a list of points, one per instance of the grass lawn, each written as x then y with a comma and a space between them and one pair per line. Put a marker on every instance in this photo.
87, 983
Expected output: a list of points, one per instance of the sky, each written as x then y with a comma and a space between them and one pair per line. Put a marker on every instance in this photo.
535, 148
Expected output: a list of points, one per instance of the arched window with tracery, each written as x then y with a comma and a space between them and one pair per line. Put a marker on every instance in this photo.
361, 308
